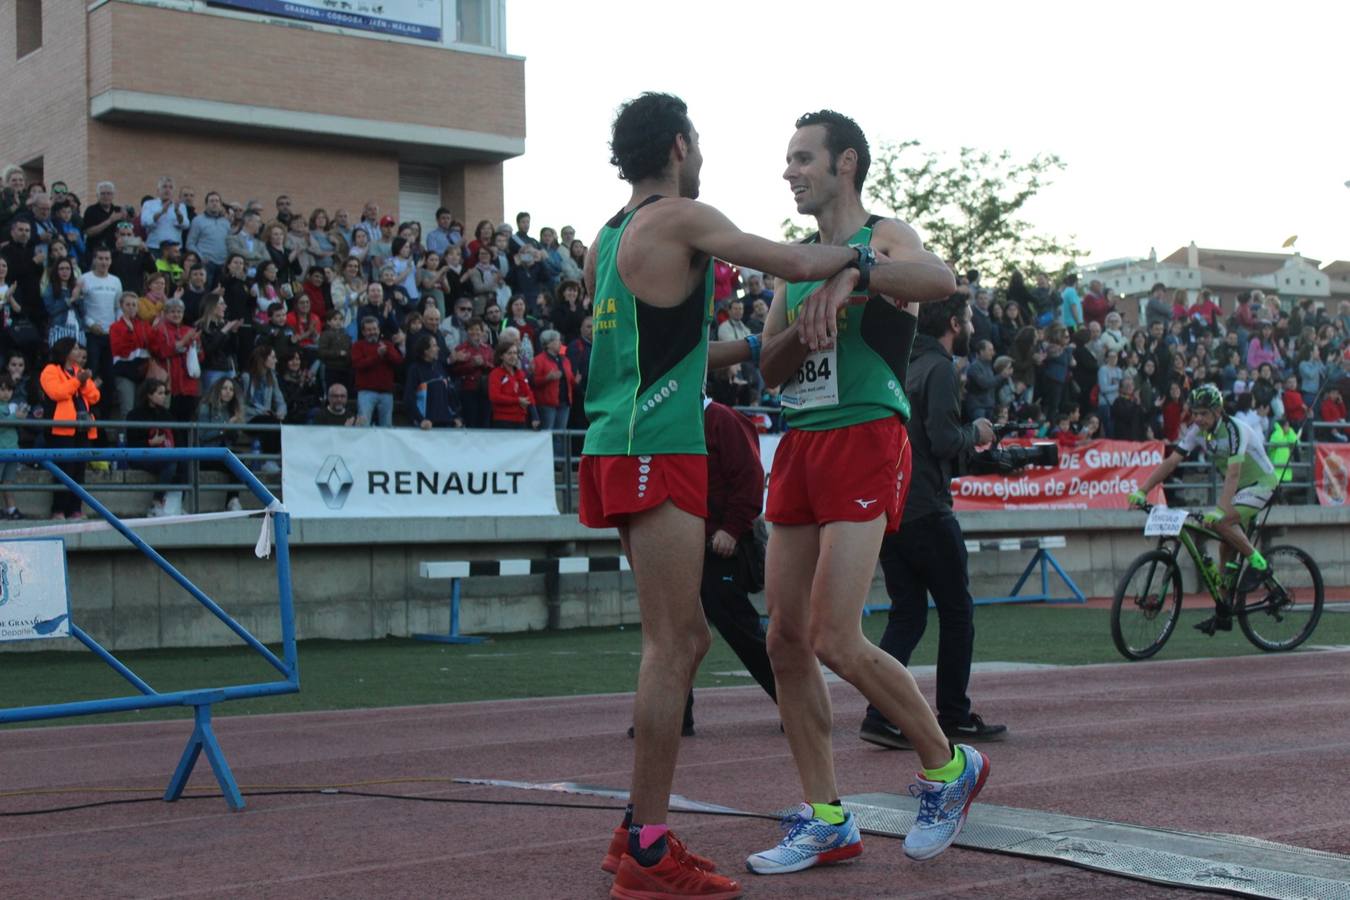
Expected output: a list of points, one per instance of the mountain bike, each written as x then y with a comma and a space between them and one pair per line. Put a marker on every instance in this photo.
1279, 614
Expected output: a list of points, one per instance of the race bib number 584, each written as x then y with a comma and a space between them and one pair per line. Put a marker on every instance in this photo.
816, 382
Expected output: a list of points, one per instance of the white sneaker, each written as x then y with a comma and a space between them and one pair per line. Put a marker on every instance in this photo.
943, 806
270, 468
156, 510
233, 504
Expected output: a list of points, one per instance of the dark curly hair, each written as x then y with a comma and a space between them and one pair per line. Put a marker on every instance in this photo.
643, 132
841, 133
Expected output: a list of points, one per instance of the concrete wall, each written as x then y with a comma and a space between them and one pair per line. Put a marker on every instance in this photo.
357, 580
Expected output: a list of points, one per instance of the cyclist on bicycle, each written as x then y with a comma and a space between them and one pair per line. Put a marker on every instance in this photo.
1249, 483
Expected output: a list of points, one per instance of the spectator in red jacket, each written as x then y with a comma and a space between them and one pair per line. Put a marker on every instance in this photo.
1205, 311
509, 390
172, 344
474, 359
555, 382
1333, 410
129, 340
1295, 410
375, 361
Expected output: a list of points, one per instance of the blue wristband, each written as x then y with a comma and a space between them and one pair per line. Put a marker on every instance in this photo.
755, 343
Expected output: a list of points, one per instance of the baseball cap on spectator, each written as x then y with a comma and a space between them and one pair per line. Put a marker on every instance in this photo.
386, 220
125, 226
170, 240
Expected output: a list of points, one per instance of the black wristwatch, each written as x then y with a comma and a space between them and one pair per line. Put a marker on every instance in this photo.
864, 263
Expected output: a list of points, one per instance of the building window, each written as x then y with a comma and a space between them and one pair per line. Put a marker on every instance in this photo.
475, 22
27, 26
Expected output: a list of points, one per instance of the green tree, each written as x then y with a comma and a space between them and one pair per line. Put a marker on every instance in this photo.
969, 209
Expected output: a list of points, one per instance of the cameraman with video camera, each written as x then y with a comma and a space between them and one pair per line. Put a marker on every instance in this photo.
928, 553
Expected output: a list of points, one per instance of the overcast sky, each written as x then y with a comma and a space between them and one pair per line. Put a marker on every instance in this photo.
1222, 123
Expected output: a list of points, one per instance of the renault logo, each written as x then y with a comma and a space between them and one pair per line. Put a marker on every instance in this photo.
334, 481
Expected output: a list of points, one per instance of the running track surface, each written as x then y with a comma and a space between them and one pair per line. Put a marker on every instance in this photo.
1255, 746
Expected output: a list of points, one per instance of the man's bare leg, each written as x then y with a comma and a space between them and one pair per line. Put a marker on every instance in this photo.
665, 549
824, 623
803, 699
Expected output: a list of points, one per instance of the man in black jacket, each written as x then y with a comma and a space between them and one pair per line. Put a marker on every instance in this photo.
928, 553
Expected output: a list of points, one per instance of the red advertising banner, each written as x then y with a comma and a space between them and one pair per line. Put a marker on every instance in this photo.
1093, 475
1331, 473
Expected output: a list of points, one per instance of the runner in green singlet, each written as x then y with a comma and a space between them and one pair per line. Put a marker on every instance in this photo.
644, 471
834, 492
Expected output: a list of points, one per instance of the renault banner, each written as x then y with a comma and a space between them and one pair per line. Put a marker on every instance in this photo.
332, 472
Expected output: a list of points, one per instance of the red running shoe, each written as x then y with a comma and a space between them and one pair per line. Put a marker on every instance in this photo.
672, 878
618, 847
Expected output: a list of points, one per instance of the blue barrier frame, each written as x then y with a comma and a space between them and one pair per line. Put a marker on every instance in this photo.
1043, 558
454, 637
203, 738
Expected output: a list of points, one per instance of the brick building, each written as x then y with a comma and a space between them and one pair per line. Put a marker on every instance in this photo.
225, 97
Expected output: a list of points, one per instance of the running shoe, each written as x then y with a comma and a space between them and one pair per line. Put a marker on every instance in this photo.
618, 846
943, 806
808, 841
675, 876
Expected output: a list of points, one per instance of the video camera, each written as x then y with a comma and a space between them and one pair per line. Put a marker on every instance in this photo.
1008, 460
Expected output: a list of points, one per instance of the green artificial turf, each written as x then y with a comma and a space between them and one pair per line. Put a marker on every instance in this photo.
398, 672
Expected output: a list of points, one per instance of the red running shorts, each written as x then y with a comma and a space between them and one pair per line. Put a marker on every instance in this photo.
850, 474
614, 488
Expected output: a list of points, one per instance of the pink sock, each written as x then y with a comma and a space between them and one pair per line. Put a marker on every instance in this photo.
650, 834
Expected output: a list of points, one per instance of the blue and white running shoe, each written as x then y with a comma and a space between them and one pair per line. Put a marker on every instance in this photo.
943, 806
808, 842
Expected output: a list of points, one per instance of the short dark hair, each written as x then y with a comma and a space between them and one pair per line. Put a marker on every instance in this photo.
642, 134
1157, 286
1071, 278
61, 349
442, 211
521, 215
842, 133
935, 319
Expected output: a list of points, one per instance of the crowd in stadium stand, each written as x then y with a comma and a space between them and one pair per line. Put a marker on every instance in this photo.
197, 308
1070, 362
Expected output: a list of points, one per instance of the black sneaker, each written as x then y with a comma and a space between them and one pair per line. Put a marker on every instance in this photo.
974, 730
883, 734
1217, 622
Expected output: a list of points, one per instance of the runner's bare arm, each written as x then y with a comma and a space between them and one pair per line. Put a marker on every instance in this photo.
783, 350
727, 353
910, 274
709, 231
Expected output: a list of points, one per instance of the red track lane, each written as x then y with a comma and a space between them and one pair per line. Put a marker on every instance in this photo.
1255, 745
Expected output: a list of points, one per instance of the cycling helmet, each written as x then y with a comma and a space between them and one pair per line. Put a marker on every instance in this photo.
1206, 396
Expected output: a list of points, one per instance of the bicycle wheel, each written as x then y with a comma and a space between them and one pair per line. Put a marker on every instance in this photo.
1147, 603
1282, 613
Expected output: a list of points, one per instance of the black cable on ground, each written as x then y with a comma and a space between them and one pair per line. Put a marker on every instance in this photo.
330, 792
